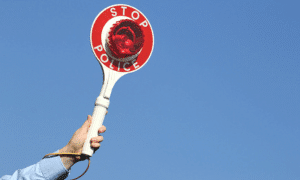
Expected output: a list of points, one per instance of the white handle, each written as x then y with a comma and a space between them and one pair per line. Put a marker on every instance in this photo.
101, 106
97, 121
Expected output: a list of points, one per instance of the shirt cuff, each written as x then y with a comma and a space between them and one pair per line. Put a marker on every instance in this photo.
53, 168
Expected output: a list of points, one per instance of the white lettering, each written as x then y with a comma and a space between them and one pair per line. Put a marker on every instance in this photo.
101, 58
135, 65
99, 48
115, 13
144, 23
135, 12
124, 67
123, 7
111, 67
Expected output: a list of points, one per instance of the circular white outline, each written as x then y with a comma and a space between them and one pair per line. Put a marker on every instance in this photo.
103, 28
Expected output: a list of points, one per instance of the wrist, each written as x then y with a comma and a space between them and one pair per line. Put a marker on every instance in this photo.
67, 160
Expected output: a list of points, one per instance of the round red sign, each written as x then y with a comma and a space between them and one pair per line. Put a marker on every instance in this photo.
132, 33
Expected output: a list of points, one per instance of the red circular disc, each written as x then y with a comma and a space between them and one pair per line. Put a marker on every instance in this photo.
100, 30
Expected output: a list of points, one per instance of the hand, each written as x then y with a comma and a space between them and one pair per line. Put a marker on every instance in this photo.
75, 144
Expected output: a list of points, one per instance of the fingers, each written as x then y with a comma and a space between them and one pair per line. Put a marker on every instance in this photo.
97, 139
89, 119
102, 129
95, 142
95, 145
87, 123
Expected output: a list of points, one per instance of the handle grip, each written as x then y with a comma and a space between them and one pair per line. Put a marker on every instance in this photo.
97, 121
101, 106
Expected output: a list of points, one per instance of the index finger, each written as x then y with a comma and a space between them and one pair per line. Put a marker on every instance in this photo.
102, 129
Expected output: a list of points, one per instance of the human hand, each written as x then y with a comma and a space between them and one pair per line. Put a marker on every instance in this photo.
76, 143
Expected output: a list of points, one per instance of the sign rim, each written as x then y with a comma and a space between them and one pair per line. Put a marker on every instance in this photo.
102, 64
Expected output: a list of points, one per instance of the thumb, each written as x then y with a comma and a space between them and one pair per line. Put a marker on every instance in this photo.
86, 125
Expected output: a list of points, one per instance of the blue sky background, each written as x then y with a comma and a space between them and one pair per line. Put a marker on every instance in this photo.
218, 99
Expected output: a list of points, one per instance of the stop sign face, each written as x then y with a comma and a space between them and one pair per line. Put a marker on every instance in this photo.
100, 32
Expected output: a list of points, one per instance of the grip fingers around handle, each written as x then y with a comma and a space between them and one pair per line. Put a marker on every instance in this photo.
97, 121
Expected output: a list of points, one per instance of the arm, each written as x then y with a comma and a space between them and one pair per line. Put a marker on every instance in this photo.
49, 169
57, 167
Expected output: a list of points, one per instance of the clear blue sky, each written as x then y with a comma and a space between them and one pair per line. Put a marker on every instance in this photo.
218, 99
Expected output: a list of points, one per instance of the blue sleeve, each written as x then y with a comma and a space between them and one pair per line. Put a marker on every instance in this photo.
49, 168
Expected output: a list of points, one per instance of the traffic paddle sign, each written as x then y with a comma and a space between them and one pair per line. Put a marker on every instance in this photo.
122, 41
102, 31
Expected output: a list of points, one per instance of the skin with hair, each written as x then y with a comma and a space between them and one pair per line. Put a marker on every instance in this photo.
76, 143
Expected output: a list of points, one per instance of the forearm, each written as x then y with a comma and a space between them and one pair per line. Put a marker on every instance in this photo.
47, 168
